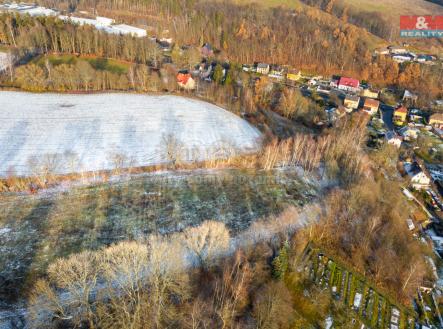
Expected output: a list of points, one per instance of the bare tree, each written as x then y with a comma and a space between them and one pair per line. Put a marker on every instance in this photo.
230, 294
174, 150
206, 241
76, 277
270, 303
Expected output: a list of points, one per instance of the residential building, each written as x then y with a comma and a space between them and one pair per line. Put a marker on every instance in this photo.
333, 114
409, 97
349, 84
371, 106
369, 93
382, 51
400, 115
293, 75
312, 82
438, 103
185, 80
402, 58
277, 72
438, 132
419, 180
409, 133
436, 120
393, 139
397, 50
351, 102
424, 58
322, 89
416, 116
263, 68
247, 68
334, 81
206, 50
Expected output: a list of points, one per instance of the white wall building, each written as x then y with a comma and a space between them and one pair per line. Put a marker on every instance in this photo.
104, 24
127, 29
28, 9
419, 180
5, 61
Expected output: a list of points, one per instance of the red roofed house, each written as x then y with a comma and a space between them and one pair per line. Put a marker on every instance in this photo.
185, 81
349, 84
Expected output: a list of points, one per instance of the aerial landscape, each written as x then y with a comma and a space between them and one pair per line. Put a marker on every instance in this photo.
205, 164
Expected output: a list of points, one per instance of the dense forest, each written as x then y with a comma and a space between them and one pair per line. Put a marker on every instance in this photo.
307, 38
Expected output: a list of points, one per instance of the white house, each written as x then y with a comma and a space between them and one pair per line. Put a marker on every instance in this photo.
393, 139
397, 50
4, 61
402, 58
409, 133
263, 68
419, 180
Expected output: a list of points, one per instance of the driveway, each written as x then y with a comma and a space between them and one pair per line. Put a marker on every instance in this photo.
387, 113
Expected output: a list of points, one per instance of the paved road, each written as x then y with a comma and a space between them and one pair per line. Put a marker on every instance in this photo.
387, 115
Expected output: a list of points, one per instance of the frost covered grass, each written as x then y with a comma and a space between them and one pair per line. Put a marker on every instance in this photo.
40, 230
61, 134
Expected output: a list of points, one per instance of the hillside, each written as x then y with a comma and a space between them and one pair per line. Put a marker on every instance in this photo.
71, 133
379, 17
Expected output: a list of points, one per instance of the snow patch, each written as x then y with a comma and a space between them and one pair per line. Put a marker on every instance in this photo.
73, 133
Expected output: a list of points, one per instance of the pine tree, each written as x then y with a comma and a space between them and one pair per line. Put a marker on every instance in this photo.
281, 262
228, 79
218, 74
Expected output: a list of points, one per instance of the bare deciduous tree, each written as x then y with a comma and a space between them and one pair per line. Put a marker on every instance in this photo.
204, 242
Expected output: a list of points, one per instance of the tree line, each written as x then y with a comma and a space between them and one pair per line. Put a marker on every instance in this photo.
307, 38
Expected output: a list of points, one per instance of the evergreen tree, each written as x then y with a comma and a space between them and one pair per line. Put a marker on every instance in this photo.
281, 262
218, 74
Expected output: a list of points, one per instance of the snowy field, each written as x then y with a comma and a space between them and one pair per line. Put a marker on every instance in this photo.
75, 133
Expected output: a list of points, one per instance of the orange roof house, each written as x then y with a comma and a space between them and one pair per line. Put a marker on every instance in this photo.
371, 106
400, 115
185, 81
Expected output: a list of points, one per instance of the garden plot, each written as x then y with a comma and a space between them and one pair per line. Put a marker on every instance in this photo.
53, 133
370, 306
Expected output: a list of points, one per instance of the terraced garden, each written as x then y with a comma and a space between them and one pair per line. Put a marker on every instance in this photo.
373, 308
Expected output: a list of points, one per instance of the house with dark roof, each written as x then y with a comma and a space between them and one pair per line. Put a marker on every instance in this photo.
351, 102
207, 50
393, 139
419, 180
